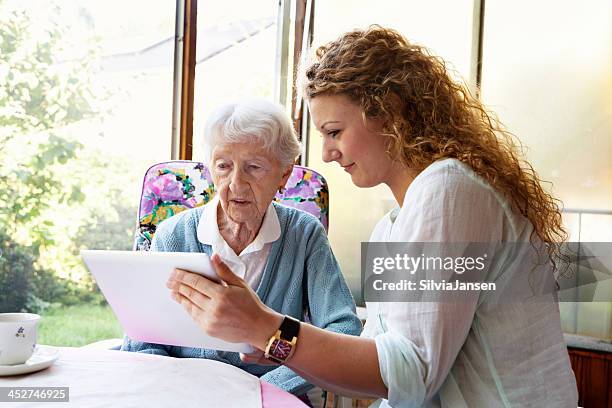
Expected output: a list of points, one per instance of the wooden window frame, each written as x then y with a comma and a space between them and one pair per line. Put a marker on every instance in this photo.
478, 16
185, 62
184, 79
304, 29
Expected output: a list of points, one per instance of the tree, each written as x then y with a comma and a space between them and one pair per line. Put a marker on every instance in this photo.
38, 96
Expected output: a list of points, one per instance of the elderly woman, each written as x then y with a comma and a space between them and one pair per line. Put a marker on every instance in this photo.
282, 253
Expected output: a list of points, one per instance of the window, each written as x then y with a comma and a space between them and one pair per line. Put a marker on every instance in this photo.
235, 56
550, 82
85, 108
444, 27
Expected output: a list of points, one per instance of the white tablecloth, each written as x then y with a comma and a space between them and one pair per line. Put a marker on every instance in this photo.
104, 378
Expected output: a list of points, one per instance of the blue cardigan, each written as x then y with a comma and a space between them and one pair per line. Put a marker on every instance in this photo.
302, 279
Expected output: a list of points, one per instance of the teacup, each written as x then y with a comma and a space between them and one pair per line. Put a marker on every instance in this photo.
17, 337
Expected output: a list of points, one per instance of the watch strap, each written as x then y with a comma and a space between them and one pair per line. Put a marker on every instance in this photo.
289, 328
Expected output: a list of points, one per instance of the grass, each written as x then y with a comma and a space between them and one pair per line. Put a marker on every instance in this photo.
77, 325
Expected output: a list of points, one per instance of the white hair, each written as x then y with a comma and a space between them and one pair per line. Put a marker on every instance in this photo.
252, 120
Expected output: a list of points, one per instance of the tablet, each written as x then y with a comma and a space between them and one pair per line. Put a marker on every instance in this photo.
134, 284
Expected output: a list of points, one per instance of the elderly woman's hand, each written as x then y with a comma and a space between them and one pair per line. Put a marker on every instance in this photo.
229, 310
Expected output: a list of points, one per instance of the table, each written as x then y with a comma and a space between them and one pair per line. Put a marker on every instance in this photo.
102, 378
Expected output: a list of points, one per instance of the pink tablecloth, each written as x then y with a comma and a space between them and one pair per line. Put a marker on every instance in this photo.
274, 397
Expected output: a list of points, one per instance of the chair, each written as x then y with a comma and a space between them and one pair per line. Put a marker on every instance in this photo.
171, 187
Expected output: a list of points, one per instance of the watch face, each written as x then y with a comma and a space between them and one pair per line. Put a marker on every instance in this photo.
280, 349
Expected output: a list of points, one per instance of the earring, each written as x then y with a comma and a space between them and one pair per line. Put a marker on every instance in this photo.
281, 190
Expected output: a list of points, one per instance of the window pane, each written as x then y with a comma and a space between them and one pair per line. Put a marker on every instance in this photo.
448, 34
235, 57
85, 108
551, 83
552, 86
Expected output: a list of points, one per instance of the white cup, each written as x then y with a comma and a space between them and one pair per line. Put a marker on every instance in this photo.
17, 337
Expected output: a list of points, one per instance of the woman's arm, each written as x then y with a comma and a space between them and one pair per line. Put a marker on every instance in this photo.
338, 362
344, 364
292, 377
327, 298
338, 343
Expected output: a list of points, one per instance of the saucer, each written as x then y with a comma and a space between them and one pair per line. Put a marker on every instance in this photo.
42, 358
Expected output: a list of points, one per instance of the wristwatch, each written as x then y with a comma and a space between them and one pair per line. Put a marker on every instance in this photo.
281, 345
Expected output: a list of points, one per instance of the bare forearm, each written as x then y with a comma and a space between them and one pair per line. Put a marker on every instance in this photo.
344, 364
234, 313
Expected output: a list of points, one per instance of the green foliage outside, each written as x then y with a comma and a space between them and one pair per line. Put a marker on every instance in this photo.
57, 194
77, 325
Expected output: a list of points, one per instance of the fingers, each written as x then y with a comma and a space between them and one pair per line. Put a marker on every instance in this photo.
225, 273
228, 311
250, 357
191, 308
190, 290
193, 295
256, 357
180, 277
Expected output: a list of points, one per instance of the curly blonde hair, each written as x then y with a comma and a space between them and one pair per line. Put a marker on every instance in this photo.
427, 116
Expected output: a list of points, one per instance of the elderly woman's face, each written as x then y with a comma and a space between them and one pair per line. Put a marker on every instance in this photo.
247, 178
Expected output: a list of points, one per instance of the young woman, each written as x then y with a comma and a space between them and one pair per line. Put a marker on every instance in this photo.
389, 113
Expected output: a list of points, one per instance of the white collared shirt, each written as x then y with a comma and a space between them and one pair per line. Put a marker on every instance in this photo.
251, 262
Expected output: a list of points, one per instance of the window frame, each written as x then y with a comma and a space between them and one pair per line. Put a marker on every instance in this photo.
184, 78
185, 61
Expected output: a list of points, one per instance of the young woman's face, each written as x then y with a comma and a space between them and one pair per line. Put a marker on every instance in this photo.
357, 146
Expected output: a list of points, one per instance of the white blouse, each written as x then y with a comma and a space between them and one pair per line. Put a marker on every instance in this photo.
478, 353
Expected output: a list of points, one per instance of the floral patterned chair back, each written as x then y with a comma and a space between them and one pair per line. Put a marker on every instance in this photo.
171, 187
